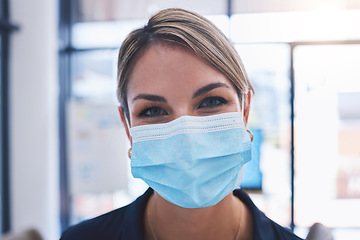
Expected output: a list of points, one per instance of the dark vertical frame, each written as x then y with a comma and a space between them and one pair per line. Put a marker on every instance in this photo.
4, 141
292, 146
229, 8
65, 23
5, 29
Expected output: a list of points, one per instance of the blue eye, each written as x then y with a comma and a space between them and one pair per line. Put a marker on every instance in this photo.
211, 102
152, 112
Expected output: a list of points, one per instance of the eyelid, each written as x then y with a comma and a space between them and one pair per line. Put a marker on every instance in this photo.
214, 97
221, 99
146, 108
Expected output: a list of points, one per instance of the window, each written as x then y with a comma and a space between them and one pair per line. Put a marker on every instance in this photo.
271, 45
327, 135
267, 66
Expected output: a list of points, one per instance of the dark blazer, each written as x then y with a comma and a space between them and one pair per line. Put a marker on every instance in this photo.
127, 223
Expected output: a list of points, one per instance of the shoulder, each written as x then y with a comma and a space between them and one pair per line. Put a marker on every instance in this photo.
112, 224
281, 233
96, 228
264, 228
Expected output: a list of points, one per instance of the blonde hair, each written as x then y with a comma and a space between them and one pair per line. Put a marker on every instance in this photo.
186, 29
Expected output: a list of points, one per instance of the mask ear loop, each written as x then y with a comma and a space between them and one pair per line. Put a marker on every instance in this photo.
127, 123
128, 126
242, 114
242, 106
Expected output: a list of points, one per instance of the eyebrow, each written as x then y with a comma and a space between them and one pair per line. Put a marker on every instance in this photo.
150, 97
208, 88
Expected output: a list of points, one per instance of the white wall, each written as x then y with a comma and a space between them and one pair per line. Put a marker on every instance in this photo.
33, 117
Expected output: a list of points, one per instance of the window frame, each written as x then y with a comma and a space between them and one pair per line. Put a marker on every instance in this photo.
293, 46
66, 50
6, 27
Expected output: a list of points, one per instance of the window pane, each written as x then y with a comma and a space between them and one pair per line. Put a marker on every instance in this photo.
112, 33
327, 135
102, 34
113, 10
97, 144
268, 66
296, 26
94, 76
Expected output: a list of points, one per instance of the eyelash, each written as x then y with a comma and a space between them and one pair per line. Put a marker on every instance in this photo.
221, 101
145, 112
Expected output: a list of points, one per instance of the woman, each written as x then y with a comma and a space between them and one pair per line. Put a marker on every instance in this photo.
185, 99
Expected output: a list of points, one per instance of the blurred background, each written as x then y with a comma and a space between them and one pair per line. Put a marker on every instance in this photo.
64, 151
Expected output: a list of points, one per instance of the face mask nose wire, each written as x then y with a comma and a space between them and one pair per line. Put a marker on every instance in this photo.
249, 131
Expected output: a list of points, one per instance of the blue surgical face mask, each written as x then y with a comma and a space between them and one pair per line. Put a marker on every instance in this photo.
191, 161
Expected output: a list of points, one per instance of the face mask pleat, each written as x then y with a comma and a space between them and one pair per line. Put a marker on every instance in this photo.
190, 147
192, 161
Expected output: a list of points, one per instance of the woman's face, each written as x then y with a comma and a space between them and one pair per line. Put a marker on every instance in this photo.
168, 82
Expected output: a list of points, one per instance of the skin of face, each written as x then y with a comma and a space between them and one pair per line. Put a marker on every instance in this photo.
168, 82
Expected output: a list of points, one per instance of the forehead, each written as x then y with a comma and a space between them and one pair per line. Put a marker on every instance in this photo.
163, 66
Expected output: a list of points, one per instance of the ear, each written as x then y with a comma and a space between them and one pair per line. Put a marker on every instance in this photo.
247, 99
125, 123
